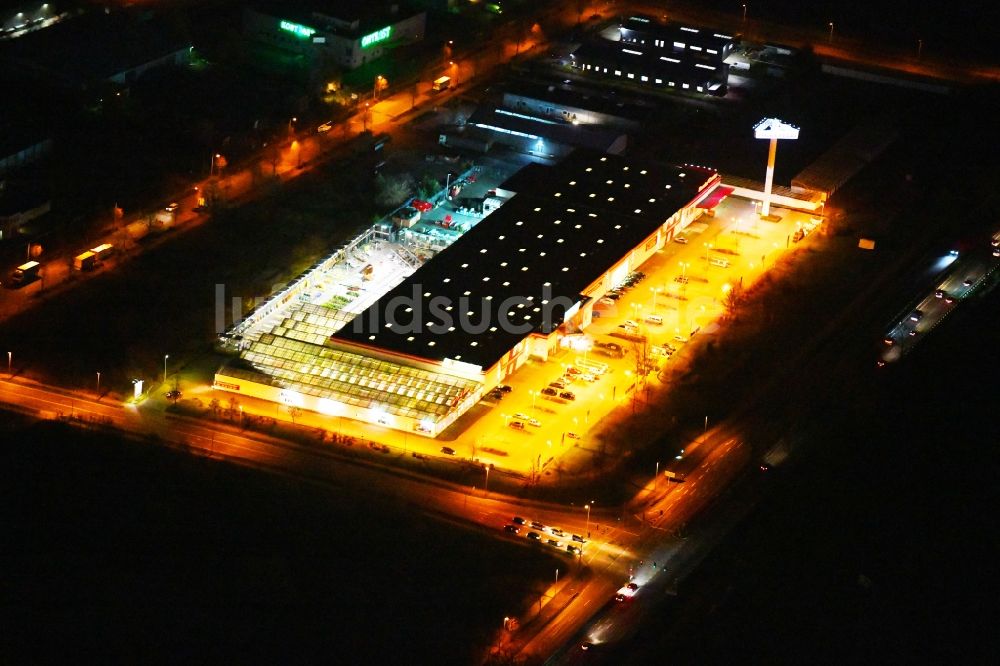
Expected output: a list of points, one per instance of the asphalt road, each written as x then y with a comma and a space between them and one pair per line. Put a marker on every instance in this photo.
959, 278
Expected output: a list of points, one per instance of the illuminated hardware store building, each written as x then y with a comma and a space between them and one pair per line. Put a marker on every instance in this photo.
349, 32
512, 287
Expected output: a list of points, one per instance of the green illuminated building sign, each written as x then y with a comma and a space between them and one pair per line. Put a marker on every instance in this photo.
297, 30
376, 37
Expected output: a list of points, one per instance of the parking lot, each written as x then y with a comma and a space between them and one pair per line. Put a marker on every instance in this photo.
680, 299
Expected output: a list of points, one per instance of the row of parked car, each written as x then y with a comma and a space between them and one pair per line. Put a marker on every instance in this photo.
539, 530
630, 281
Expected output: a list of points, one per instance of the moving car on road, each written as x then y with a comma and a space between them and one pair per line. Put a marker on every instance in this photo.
626, 591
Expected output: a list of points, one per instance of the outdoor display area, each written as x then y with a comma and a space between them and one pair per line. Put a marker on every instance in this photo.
283, 355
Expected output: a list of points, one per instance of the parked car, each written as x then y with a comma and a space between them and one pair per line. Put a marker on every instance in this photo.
518, 520
517, 425
513, 529
535, 536
557, 384
548, 390
447, 450
567, 395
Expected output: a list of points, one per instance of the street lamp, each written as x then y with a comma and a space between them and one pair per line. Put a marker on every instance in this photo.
165, 357
744, 12
10, 356
587, 507
98, 386
831, 32
656, 477
380, 83
486, 487
920, 47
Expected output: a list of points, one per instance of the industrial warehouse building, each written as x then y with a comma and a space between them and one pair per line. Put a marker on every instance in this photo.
655, 55
347, 33
519, 284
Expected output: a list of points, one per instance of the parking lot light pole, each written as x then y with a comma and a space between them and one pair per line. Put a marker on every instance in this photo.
98, 385
165, 357
587, 507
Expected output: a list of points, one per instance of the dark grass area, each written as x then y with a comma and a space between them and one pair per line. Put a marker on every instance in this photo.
116, 551
163, 301
876, 546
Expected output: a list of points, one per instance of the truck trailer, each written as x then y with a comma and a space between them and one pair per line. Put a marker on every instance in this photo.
85, 261
25, 273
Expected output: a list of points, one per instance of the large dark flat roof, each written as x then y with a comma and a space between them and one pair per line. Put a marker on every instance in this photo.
565, 226
647, 60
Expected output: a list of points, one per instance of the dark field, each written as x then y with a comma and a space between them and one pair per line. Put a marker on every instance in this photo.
117, 552
163, 301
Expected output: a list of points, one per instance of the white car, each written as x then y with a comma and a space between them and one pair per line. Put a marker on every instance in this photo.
631, 324
626, 591
680, 239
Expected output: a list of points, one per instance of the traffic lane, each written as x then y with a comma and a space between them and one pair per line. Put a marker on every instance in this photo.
592, 598
45, 401
612, 621
667, 561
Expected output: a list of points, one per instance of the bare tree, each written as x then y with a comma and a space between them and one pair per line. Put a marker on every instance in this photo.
733, 300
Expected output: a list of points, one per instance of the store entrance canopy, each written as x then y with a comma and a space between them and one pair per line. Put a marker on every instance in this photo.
715, 197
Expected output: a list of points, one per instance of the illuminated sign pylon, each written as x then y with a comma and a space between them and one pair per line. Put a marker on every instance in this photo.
772, 129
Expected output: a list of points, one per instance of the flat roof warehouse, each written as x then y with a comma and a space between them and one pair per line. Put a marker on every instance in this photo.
564, 228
